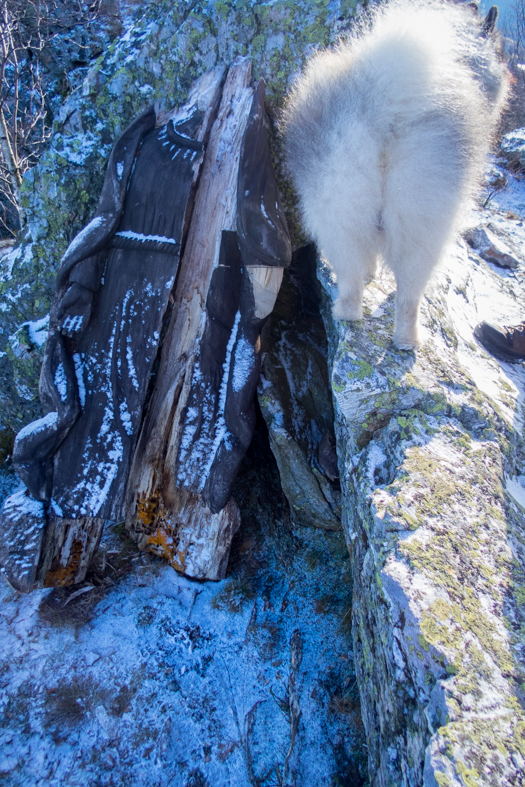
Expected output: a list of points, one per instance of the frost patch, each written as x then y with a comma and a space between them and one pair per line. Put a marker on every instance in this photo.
97, 492
125, 418
131, 366
220, 424
516, 489
376, 459
243, 364
83, 235
56, 508
94, 493
263, 211
77, 149
73, 324
196, 456
8, 260
20, 502
35, 427
139, 236
38, 330
79, 371
61, 382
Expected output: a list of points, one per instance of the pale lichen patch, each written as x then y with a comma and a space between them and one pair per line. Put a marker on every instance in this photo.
437, 543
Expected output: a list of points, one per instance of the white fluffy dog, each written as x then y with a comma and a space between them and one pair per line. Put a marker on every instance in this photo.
386, 137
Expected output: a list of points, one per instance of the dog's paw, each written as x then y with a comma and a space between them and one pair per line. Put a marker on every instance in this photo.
405, 342
345, 310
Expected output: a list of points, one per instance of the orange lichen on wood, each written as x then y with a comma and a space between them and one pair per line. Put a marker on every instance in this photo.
178, 562
147, 508
163, 543
60, 576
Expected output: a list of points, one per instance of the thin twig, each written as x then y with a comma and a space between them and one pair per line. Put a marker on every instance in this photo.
195, 594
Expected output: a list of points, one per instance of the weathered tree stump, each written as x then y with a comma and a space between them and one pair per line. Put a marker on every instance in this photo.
200, 180
113, 290
201, 417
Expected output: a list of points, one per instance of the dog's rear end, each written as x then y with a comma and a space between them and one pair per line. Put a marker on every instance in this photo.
386, 138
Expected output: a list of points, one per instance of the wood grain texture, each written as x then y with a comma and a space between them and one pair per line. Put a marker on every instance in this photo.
68, 548
162, 512
95, 379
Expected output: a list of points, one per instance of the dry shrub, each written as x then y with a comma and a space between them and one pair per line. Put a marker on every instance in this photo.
69, 704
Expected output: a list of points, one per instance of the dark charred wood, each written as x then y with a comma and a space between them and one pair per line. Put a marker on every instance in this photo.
198, 183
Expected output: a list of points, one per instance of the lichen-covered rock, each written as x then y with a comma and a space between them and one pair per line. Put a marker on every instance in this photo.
432, 465
155, 60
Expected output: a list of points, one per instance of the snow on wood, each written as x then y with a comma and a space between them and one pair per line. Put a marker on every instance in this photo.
106, 368
20, 546
185, 451
163, 514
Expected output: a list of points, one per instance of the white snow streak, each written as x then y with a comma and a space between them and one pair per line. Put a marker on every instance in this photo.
243, 364
131, 366
61, 382
56, 508
125, 417
46, 422
38, 330
139, 236
23, 502
263, 211
220, 424
79, 371
84, 234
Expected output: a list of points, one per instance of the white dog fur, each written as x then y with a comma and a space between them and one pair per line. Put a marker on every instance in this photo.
386, 138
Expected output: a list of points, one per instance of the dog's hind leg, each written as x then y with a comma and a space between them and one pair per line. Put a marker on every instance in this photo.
412, 265
408, 300
423, 196
353, 270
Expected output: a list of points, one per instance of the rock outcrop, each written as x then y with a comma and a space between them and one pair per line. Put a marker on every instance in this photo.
432, 469
432, 476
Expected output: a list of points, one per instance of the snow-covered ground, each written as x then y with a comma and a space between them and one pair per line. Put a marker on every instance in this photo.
147, 678
493, 294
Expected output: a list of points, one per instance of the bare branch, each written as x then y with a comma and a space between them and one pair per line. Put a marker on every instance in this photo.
27, 30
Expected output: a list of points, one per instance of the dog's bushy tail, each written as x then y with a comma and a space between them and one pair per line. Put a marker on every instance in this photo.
408, 63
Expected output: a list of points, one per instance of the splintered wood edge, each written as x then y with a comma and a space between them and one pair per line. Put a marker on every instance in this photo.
214, 211
203, 539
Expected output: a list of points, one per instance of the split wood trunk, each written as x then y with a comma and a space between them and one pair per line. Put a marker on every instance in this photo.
163, 511
94, 384
149, 386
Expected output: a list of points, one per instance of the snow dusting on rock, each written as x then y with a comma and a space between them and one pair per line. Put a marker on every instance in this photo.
143, 677
432, 462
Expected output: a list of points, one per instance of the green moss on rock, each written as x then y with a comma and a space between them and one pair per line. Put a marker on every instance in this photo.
438, 552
